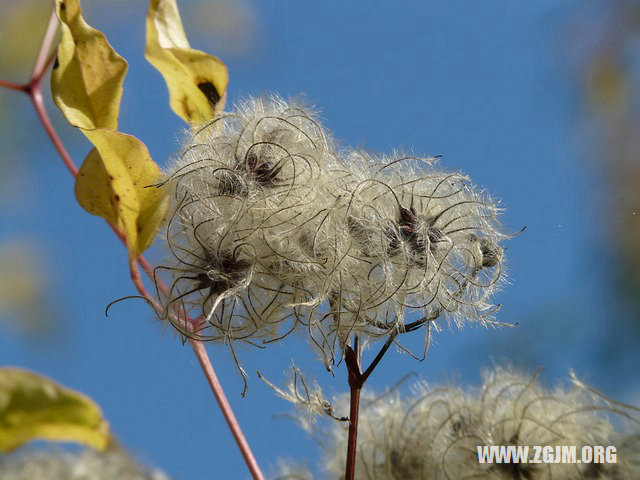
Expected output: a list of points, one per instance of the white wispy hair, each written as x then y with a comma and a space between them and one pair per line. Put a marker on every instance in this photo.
434, 432
245, 191
291, 470
306, 396
274, 229
419, 240
84, 465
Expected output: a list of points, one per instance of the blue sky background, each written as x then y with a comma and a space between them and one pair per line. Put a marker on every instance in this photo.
488, 85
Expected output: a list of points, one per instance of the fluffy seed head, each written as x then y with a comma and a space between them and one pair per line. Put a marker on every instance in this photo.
434, 433
416, 239
244, 188
273, 229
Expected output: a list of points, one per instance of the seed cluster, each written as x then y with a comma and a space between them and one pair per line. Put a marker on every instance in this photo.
274, 229
434, 432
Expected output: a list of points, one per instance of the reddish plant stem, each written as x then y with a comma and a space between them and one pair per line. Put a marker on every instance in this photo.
357, 378
34, 89
137, 281
352, 443
35, 93
13, 86
212, 378
229, 416
45, 57
148, 270
356, 382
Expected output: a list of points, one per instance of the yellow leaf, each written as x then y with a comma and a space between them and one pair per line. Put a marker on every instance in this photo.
114, 183
86, 81
197, 81
35, 407
93, 188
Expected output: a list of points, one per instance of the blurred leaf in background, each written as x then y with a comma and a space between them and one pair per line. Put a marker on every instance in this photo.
228, 28
609, 73
231, 26
33, 407
26, 308
21, 27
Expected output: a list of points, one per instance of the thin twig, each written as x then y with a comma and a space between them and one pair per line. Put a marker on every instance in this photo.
44, 57
379, 356
137, 281
229, 416
36, 98
14, 86
52, 57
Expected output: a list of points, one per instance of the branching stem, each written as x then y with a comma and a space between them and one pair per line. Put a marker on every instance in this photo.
357, 378
13, 86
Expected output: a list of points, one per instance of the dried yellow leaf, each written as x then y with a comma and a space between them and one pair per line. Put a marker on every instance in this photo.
86, 81
93, 188
197, 81
115, 183
86, 84
35, 407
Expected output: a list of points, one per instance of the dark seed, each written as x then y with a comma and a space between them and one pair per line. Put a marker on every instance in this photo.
264, 173
491, 253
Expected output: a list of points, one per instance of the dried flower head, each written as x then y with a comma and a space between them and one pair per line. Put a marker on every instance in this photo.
413, 238
434, 433
272, 228
244, 189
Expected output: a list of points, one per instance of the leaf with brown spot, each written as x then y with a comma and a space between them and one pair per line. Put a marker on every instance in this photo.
87, 81
197, 81
116, 185
35, 407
